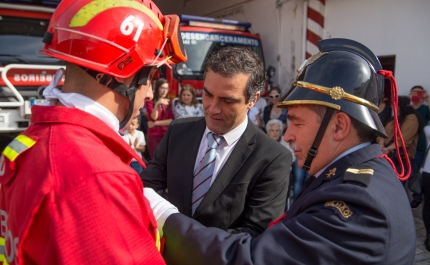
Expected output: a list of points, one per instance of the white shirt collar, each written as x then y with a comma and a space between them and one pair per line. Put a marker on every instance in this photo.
232, 136
75, 100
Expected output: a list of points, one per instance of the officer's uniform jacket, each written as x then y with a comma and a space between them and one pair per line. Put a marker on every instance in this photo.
355, 212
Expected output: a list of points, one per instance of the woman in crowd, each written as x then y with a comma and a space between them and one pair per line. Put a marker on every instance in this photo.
271, 111
274, 129
426, 189
159, 115
254, 116
411, 126
384, 112
188, 105
420, 102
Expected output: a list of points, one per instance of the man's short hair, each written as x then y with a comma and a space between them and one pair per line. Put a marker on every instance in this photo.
232, 60
419, 87
364, 132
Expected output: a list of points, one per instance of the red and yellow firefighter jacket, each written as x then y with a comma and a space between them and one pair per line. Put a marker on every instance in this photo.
68, 195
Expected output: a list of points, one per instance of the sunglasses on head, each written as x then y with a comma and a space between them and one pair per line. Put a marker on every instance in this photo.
274, 96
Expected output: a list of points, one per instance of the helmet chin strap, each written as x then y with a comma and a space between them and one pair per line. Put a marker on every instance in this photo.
122, 89
314, 149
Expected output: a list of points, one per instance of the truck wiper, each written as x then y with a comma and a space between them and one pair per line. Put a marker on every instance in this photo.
15, 57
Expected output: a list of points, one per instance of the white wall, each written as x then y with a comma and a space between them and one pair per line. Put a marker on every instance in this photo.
387, 27
268, 20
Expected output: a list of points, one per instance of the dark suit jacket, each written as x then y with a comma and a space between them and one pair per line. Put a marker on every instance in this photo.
342, 217
249, 191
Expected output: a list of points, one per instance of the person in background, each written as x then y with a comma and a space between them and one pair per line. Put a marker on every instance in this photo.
260, 105
188, 105
299, 177
271, 111
384, 112
426, 190
419, 96
411, 126
274, 130
136, 140
254, 116
143, 126
160, 115
353, 210
68, 194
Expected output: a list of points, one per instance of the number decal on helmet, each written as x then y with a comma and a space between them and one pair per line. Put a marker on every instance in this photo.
127, 27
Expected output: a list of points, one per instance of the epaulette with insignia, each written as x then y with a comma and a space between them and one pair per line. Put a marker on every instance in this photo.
361, 174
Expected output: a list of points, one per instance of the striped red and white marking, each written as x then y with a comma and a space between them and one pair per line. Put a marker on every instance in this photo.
315, 26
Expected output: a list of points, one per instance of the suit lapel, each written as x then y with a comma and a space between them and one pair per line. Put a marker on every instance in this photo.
234, 162
187, 164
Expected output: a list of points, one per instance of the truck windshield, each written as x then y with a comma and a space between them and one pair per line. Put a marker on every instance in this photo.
21, 40
199, 45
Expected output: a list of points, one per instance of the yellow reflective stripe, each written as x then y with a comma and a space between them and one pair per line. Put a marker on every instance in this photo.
10, 153
3, 260
17, 146
92, 9
157, 241
25, 140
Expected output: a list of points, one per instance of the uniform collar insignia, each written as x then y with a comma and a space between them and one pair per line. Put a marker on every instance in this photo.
331, 172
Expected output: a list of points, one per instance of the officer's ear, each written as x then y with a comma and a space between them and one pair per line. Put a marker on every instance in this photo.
341, 125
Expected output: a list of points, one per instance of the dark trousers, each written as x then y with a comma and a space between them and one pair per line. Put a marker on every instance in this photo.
416, 165
426, 206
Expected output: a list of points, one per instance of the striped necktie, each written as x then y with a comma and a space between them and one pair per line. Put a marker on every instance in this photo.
205, 169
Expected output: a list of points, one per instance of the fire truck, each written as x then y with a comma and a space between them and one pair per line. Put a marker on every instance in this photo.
202, 36
24, 72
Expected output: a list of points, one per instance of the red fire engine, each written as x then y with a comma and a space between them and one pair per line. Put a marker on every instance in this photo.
202, 36
24, 72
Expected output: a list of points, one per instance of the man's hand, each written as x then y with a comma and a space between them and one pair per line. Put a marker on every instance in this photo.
161, 208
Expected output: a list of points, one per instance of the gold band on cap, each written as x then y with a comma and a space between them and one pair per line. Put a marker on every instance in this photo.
282, 104
337, 93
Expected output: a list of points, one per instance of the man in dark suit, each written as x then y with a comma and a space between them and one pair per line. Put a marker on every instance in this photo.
247, 187
353, 210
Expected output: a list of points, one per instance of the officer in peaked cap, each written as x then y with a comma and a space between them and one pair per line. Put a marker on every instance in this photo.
353, 210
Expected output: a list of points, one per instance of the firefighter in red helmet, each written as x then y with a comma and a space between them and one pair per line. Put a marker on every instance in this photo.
68, 195
352, 210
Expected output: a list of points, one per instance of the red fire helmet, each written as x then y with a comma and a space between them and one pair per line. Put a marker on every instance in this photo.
116, 37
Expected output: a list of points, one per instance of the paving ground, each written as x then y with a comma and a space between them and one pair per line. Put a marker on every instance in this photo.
422, 256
